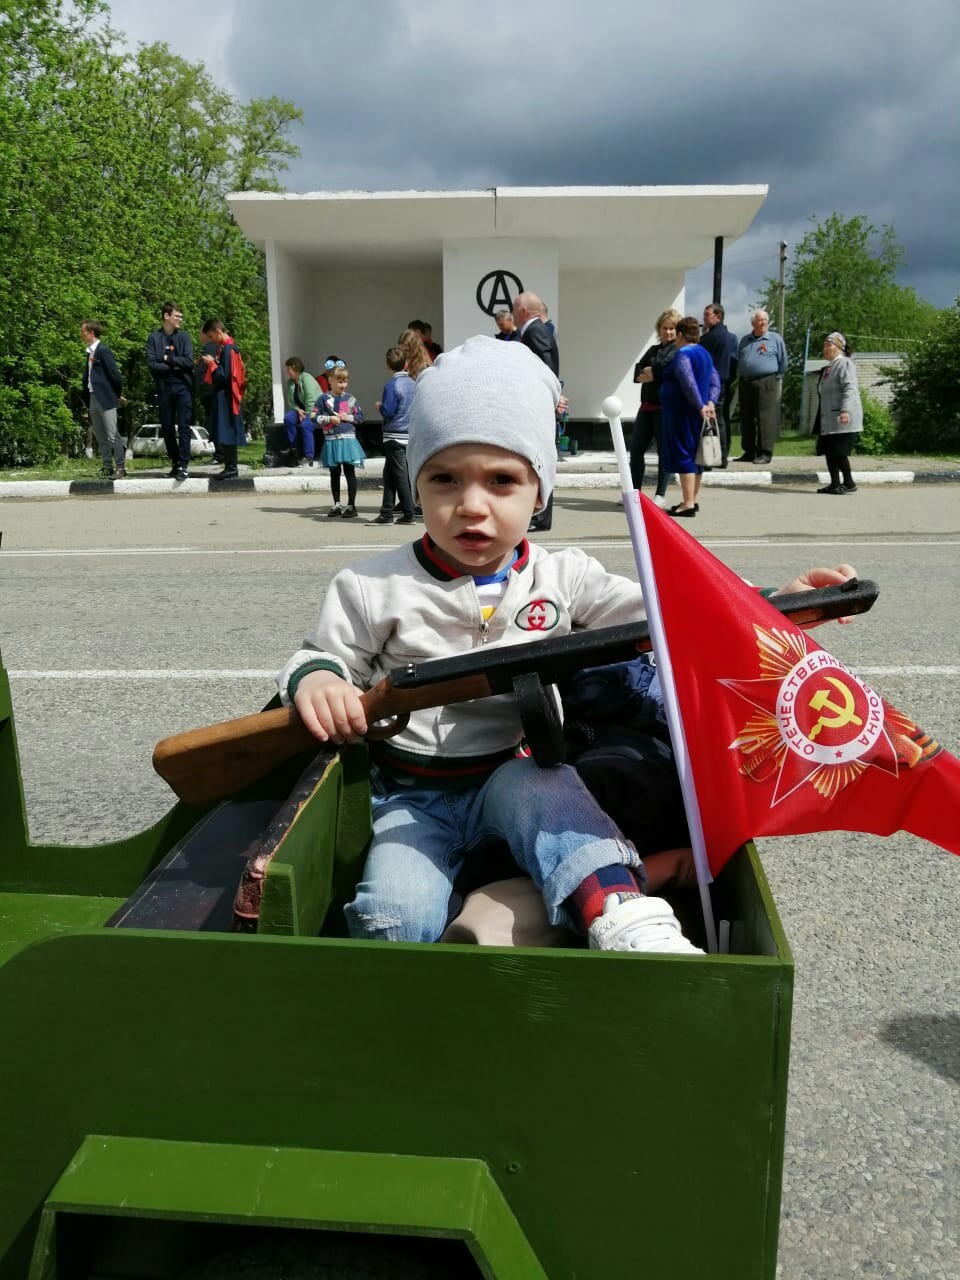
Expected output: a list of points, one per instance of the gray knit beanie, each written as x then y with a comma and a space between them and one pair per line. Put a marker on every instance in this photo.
487, 392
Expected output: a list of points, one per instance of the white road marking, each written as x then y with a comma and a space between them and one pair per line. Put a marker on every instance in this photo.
250, 673
254, 673
611, 544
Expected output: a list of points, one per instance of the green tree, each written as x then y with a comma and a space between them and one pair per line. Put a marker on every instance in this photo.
925, 403
114, 170
844, 276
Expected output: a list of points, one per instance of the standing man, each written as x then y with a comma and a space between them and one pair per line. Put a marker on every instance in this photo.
721, 345
101, 395
170, 357
506, 329
528, 313
762, 362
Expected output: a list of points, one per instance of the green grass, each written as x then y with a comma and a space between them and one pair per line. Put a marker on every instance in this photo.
789, 445
85, 469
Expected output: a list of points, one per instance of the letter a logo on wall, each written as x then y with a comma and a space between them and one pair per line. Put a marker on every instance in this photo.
493, 292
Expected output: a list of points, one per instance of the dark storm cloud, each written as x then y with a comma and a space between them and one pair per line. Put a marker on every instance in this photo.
852, 109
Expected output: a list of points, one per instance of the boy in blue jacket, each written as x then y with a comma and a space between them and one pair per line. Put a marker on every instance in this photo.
394, 406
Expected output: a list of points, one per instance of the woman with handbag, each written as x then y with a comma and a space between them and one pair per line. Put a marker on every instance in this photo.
840, 416
688, 394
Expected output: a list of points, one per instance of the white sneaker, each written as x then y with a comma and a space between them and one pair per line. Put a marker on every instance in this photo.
639, 924
659, 500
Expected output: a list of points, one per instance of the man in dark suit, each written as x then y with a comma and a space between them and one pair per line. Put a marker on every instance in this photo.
722, 346
528, 313
539, 337
101, 395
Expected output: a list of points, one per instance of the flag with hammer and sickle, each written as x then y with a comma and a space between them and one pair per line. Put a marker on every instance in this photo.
784, 738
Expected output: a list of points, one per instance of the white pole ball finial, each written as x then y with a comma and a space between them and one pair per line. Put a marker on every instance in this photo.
612, 407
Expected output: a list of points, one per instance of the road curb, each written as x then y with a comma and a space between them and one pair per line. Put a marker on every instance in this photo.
319, 482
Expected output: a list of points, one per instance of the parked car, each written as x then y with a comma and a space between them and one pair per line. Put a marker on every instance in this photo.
148, 442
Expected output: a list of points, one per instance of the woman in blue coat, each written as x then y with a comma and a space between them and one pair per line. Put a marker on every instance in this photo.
688, 392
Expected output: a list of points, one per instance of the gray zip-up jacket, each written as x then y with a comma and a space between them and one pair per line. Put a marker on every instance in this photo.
408, 605
839, 393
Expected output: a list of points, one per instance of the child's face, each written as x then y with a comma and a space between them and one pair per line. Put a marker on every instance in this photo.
339, 381
477, 501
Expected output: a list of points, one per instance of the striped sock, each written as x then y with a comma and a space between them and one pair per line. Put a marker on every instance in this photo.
588, 898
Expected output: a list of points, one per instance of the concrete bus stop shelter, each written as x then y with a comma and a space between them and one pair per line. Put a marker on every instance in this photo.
346, 271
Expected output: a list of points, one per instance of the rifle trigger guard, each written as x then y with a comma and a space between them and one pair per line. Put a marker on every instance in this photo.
540, 716
387, 728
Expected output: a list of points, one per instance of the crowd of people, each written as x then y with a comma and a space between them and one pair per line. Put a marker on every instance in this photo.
687, 379
320, 407
214, 380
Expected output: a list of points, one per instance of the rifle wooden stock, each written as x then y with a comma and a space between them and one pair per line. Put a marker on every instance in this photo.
208, 764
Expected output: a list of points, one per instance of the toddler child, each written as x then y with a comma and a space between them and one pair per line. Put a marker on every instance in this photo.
338, 414
394, 406
482, 456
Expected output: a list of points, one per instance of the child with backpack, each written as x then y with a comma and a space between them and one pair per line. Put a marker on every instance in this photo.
228, 377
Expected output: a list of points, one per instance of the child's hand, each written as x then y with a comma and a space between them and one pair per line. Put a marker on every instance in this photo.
334, 419
820, 577
330, 707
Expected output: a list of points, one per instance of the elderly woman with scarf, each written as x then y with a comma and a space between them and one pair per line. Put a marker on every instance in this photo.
688, 395
840, 416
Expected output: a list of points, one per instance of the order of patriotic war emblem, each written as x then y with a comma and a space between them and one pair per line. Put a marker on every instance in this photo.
825, 713
815, 722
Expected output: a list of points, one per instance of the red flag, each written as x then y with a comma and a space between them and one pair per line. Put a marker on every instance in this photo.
782, 737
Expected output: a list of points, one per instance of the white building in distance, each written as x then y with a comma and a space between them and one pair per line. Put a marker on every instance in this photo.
347, 270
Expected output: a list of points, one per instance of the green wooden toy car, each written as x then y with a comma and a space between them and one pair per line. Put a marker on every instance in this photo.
188, 1098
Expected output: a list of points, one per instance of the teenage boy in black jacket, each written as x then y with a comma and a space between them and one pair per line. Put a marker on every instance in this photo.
170, 357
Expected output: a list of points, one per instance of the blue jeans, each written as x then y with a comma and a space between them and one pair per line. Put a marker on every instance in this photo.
300, 429
556, 831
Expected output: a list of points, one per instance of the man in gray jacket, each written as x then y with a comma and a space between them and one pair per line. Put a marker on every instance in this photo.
762, 362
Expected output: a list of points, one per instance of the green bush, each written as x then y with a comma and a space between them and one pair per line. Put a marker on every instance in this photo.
925, 402
35, 425
879, 427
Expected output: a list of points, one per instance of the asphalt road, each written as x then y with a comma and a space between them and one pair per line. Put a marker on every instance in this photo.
202, 597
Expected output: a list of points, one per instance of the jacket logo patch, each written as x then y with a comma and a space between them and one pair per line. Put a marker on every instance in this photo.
538, 615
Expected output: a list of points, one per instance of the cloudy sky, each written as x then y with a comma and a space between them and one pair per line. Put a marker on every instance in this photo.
852, 107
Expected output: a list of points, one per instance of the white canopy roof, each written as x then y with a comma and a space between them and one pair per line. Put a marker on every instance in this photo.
594, 227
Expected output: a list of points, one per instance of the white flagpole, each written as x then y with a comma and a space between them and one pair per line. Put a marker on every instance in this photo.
612, 408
